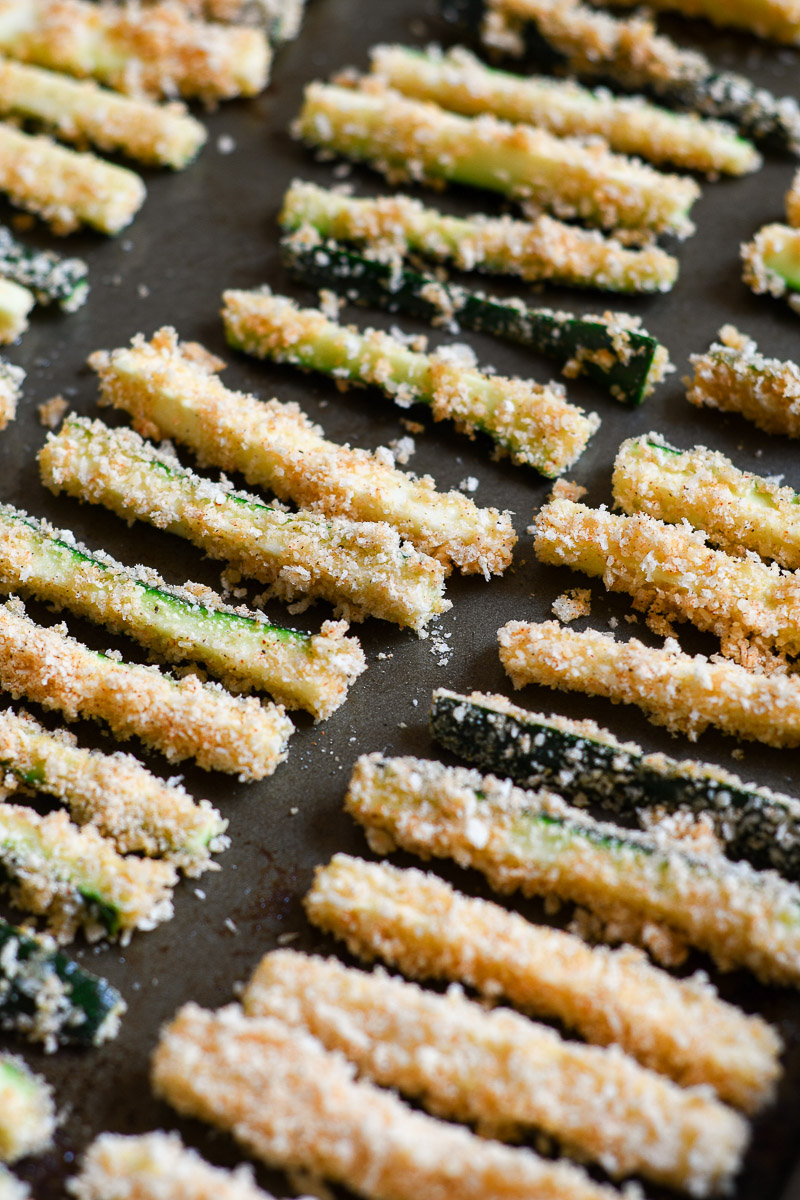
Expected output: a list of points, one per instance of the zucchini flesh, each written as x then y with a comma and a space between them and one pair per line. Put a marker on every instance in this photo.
409, 139
772, 263
586, 763
49, 276
610, 350
533, 423
732, 376
27, 1112
49, 998
15, 304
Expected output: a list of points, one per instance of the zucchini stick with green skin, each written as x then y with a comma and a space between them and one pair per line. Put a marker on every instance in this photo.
776, 19
364, 568
419, 923
534, 842
538, 250
410, 139
503, 1072
135, 809
79, 111
611, 349
772, 263
533, 423
27, 1112
293, 1104
458, 81
182, 718
237, 645
64, 187
154, 50
281, 20
169, 395
47, 997
51, 277
732, 376
15, 304
11, 381
684, 692
736, 509
589, 765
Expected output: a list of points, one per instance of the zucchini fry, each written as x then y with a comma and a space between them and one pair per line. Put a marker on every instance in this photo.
410, 139
419, 923
772, 263
155, 50
65, 188
503, 1072
459, 81
27, 1112
533, 423
135, 809
292, 1104
281, 20
15, 304
78, 111
51, 277
182, 718
534, 842
274, 445
776, 19
588, 764
734, 377
737, 510
363, 568
685, 693
543, 249
11, 381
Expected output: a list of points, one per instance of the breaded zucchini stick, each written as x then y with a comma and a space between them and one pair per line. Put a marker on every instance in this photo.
734, 377
135, 809
169, 394
65, 188
772, 263
543, 249
410, 139
280, 19
503, 1072
11, 381
459, 81
363, 568
670, 571
419, 923
15, 304
79, 111
182, 718
685, 693
533, 423
534, 842
51, 277
291, 1103
736, 509
27, 1111
792, 201
776, 19
155, 50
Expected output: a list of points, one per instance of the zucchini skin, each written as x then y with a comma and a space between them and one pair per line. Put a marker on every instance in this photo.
582, 345
49, 276
587, 764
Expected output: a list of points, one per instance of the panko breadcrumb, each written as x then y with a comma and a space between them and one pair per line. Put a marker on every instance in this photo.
11, 381
734, 377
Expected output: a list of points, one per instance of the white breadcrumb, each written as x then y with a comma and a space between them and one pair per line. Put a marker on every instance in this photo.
571, 605
51, 413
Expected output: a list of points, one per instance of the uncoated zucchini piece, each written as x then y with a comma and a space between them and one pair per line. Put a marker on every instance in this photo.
27, 1112
684, 692
183, 718
422, 925
734, 377
611, 349
77, 111
179, 623
543, 249
11, 381
589, 765
772, 263
364, 568
410, 139
15, 304
154, 50
47, 997
736, 509
457, 80
533, 423
170, 395
776, 19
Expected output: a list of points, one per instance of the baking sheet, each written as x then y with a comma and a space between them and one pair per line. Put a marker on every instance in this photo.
213, 227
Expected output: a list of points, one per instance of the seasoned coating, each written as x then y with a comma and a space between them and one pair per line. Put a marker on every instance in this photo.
458, 80
293, 1104
169, 394
410, 139
533, 423
11, 381
124, 801
734, 377
27, 1113
156, 50
684, 692
419, 923
504, 1072
182, 718
776, 19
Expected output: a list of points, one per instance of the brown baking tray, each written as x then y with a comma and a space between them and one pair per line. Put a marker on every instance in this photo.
212, 227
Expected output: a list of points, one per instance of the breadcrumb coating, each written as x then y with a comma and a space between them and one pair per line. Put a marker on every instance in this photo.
776, 19
12, 1188
770, 263
734, 377
15, 304
27, 1112
419, 923
281, 19
11, 381
792, 201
